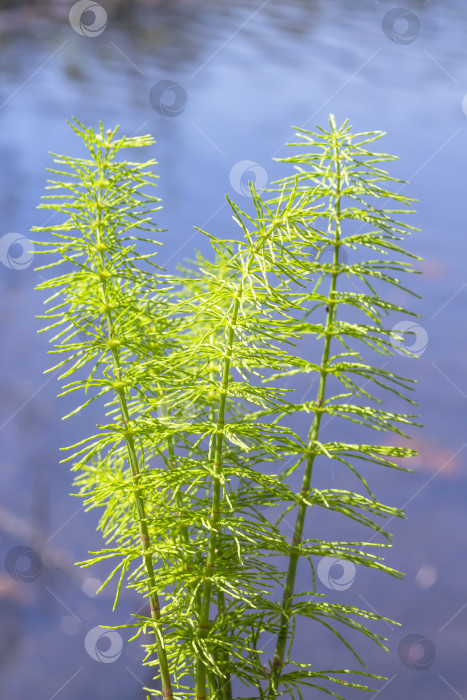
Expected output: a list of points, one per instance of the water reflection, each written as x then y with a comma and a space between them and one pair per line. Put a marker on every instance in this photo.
248, 72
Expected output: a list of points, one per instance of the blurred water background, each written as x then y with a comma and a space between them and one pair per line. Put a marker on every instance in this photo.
245, 73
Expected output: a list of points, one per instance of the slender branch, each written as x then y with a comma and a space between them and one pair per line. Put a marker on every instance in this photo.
172, 463
279, 656
216, 501
226, 687
143, 529
183, 529
204, 624
212, 685
167, 692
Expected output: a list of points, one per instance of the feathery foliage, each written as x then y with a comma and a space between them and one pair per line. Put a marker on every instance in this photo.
201, 443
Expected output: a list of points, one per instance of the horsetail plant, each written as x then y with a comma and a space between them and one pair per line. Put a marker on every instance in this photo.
200, 374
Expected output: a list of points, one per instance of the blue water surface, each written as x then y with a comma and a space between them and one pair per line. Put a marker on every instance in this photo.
246, 73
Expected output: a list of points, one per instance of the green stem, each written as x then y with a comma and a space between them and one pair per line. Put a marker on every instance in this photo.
143, 530
183, 529
172, 463
167, 692
204, 625
212, 686
225, 686
216, 503
279, 656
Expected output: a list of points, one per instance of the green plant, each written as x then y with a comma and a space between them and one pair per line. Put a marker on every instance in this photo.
197, 374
